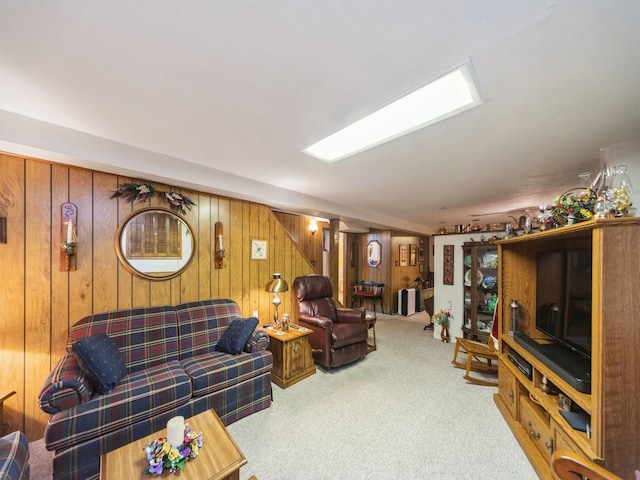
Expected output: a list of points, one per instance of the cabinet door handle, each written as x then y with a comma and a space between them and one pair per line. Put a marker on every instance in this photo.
549, 446
511, 395
534, 434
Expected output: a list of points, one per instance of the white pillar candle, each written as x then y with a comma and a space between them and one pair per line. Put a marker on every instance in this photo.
175, 431
220, 247
70, 231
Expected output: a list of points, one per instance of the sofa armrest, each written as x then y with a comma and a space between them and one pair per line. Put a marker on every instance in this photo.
258, 342
350, 315
14, 456
65, 387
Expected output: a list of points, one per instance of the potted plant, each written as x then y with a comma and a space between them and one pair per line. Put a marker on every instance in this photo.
443, 318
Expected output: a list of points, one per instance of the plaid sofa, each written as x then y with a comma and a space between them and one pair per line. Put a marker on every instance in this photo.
14, 457
172, 369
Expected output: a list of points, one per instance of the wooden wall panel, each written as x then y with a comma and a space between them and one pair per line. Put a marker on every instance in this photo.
38, 236
206, 243
105, 224
13, 291
39, 301
222, 288
81, 281
59, 277
125, 279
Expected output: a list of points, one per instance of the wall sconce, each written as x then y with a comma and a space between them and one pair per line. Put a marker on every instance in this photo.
68, 236
313, 227
219, 248
276, 286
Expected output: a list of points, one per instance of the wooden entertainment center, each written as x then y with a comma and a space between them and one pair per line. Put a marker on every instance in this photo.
613, 404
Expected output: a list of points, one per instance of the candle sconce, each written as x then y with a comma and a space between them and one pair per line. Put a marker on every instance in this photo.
219, 247
69, 237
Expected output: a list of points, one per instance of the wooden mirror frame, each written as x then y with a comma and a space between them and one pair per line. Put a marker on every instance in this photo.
162, 266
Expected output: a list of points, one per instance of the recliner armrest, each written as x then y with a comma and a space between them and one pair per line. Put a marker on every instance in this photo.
317, 322
350, 315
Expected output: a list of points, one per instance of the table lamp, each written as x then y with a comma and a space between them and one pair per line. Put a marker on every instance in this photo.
276, 285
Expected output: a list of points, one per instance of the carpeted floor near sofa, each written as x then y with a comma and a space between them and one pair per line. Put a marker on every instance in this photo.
402, 412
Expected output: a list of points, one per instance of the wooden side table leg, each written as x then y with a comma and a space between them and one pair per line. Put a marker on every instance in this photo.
2, 399
374, 336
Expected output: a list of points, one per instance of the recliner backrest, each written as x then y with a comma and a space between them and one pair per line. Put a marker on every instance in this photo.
315, 296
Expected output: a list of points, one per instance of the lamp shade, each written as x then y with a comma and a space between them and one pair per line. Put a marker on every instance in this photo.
276, 284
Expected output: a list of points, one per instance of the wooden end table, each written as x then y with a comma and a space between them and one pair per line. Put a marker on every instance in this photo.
292, 357
219, 459
3, 396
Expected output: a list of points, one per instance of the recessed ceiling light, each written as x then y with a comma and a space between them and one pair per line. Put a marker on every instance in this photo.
448, 95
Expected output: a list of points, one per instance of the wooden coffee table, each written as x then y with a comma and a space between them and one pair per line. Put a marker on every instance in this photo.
219, 459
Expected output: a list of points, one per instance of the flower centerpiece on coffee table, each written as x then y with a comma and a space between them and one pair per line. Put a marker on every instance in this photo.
161, 455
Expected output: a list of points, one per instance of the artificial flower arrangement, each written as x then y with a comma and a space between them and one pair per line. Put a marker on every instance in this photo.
579, 206
161, 455
139, 192
443, 317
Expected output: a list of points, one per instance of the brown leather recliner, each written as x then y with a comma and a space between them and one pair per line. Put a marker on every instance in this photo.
339, 334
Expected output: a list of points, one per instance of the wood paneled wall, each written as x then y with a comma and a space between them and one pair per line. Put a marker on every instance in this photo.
309, 244
388, 272
38, 301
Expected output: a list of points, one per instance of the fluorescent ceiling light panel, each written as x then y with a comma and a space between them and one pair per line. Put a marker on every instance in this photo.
453, 93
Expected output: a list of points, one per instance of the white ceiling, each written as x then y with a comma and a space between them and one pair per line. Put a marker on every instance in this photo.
222, 96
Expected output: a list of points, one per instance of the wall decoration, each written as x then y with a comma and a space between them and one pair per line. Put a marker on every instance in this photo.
413, 255
374, 253
258, 249
139, 192
404, 255
69, 236
447, 274
219, 247
155, 243
421, 268
421, 254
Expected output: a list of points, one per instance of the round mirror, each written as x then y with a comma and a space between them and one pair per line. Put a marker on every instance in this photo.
155, 244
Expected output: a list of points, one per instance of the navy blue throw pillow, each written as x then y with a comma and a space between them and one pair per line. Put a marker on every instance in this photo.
236, 335
100, 361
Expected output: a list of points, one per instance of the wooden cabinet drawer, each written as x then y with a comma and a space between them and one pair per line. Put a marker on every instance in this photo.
508, 389
563, 441
537, 424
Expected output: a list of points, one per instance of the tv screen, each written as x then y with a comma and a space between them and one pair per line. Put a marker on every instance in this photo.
563, 298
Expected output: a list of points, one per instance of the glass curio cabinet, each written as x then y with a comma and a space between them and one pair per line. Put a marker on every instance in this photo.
480, 289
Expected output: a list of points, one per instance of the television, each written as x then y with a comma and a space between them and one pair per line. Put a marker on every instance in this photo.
563, 298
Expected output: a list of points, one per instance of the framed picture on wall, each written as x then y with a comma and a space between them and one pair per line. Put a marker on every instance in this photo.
413, 255
421, 254
404, 256
374, 253
421, 268
447, 266
258, 249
